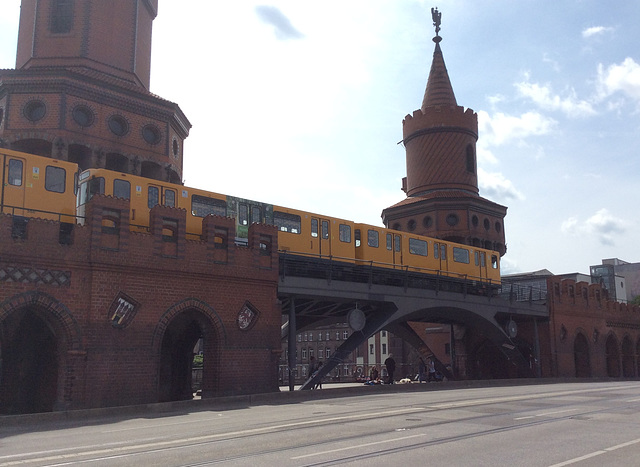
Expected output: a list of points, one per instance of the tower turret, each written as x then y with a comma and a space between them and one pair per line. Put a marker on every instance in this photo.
80, 90
441, 185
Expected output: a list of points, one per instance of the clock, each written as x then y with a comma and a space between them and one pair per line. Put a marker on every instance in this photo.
356, 319
512, 329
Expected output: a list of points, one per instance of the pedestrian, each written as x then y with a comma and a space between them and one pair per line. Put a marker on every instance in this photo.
319, 383
432, 371
422, 370
373, 375
390, 363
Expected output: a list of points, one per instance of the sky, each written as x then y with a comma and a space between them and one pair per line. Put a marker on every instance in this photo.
300, 104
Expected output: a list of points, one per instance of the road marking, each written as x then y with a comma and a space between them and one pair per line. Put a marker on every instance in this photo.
597, 453
331, 451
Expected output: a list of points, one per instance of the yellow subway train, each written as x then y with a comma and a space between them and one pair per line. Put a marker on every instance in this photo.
35, 186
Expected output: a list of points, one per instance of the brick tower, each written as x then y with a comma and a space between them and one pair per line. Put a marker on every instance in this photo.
443, 199
80, 90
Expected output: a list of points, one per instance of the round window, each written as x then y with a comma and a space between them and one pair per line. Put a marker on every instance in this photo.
82, 115
427, 222
452, 219
151, 134
498, 226
118, 125
35, 110
176, 148
474, 220
487, 224
411, 225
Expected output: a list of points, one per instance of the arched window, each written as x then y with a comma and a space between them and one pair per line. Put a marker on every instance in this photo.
471, 159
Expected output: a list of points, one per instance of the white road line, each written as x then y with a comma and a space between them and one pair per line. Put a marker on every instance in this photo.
597, 453
358, 446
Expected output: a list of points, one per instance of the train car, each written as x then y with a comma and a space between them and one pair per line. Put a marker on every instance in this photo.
314, 235
36, 186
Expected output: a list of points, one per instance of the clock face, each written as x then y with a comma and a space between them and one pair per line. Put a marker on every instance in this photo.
245, 318
512, 328
356, 319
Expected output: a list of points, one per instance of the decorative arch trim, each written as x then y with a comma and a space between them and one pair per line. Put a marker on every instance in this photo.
53, 307
186, 305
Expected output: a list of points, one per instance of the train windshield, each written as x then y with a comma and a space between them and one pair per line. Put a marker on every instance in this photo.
89, 188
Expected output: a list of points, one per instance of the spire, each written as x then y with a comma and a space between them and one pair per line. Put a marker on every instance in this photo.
439, 90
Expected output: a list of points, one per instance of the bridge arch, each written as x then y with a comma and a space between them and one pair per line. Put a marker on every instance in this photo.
39, 338
178, 331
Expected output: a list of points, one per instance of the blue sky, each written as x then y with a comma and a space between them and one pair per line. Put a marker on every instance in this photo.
300, 103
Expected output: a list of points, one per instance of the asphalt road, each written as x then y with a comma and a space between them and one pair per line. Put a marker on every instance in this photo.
583, 424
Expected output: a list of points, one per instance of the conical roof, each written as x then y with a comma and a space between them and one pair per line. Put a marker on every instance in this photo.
439, 90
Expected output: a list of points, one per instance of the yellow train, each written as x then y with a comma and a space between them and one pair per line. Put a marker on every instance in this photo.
35, 186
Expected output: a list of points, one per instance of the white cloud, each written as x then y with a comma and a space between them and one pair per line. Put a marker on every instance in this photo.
500, 128
543, 96
624, 78
602, 225
595, 31
495, 186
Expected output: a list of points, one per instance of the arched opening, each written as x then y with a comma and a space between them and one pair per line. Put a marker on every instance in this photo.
173, 177
152, 170
628, 359
30, 364
81, 155
185, 336
39, 147
613, 357
488, 362
117, 162
581, 356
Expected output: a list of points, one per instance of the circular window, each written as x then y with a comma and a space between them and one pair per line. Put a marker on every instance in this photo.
487, 224
35, 110
118, 125
452, 219
498, 226
411, 225
427, 222
82, 115
176, 148
474, 220
151, 134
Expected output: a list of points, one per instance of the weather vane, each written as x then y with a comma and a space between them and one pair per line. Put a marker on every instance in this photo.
436, 16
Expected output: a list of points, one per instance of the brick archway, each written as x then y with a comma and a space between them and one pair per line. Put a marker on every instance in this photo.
174, 338
40, 339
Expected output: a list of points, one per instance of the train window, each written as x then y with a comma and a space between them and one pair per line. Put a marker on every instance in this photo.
256, 214
357, 237
483, 259
461, 255
476, 257
418, 247
443, 252
372, 238
436, 250
243, 214
325, 230
345, 233
201, 206
314, 228
287, 222
494, 261
54, 179
15, 172
389, 242
170, 198
121, 189
397, 243
153, 198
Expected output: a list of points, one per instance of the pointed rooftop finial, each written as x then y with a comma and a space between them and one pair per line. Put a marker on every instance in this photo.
436, 16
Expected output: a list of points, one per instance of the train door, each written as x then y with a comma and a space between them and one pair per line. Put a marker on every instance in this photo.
13, 185
157, 194
394, 243
320, 236
440, 254
480, 261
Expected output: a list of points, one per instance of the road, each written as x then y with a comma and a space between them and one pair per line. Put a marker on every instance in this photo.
583, 424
